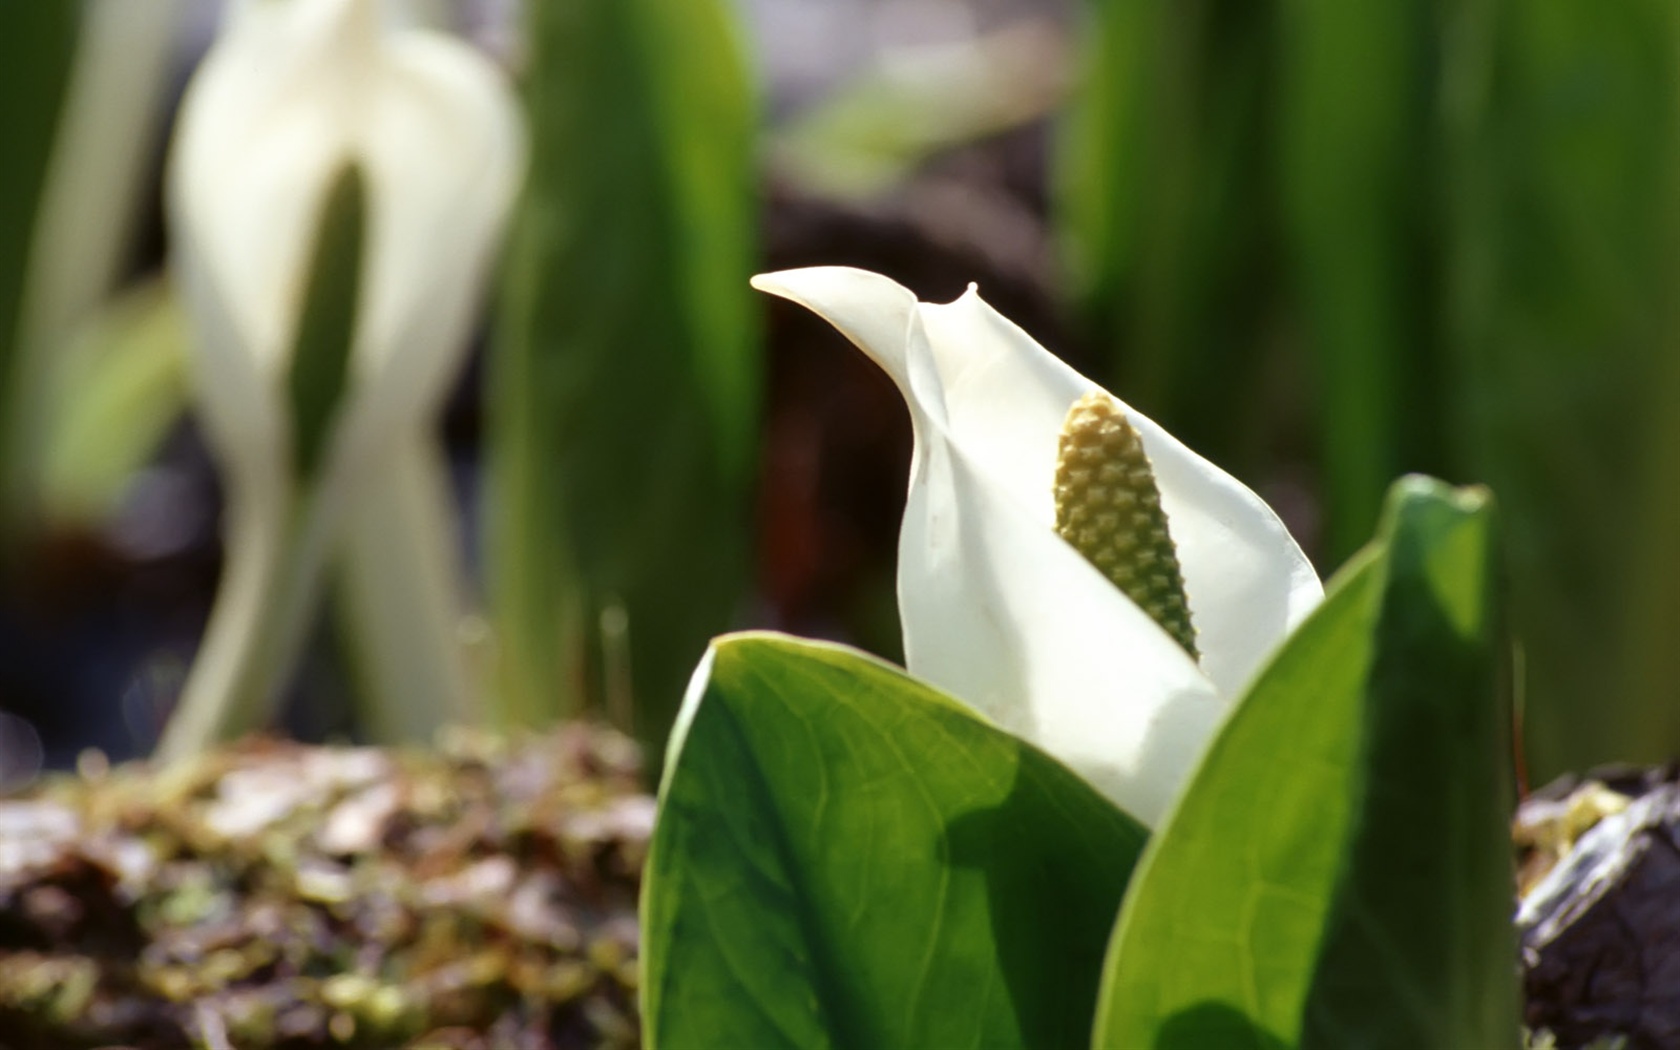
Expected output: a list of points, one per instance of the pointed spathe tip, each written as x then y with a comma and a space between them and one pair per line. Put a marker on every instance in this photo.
826, 282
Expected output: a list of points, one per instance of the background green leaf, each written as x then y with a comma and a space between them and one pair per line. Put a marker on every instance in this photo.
1165, 182
1358, 126
37, 42
1250, 208
1566, 176
120, 387
876, 130
320, 357
624, 385
1338, 872
89, 230
846, 857
1326, 243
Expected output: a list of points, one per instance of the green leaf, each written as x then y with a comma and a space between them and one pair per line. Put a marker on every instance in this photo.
874, 131
1569, 254
624, 380
100, 177
1358, 104
37, 43
326, 329
1166, 214
1229, 905
1421, 948
1338, 872
117, 391
846, 857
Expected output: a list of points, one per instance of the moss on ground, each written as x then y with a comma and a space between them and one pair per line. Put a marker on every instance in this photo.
278, 895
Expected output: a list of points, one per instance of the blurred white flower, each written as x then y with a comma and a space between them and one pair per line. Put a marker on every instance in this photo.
999, 610
292, 96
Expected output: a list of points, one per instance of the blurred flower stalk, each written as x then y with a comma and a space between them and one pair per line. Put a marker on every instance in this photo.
337, 190
1000, 610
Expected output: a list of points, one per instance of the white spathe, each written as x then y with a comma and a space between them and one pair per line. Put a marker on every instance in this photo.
997, 609
291, 94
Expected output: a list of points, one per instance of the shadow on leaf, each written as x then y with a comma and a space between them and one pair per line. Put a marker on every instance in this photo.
1214, 1026
1031, 846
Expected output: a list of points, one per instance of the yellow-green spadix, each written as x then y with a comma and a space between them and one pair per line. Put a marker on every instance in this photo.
296, 101
1004, 614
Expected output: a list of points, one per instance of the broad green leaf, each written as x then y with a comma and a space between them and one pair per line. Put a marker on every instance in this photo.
1358, 106
1338, 871
1564, 174
624, 380
37, 41
847, 858
1227, 911
1420, 950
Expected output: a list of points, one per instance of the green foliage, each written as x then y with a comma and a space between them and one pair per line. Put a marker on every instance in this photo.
1420, 950
37, 43
1230, 904
846, 857
1164, 187
118, 390
1338, 873
877, 130
1566, 170
1250, 188
326, 329
625, 377
1357, 132
1446, 236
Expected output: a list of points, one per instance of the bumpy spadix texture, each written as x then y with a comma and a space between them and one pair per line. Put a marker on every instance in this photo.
1000, 611
1109, 508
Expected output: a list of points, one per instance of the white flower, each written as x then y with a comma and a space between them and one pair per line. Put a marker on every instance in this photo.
998, 610
293, 92
292, 95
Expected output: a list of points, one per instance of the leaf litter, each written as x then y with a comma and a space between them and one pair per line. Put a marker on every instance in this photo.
275, 894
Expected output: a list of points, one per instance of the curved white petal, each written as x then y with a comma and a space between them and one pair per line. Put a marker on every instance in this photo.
874, 312
999, 612
1247, 579
997, 609
263, 128
444, 149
